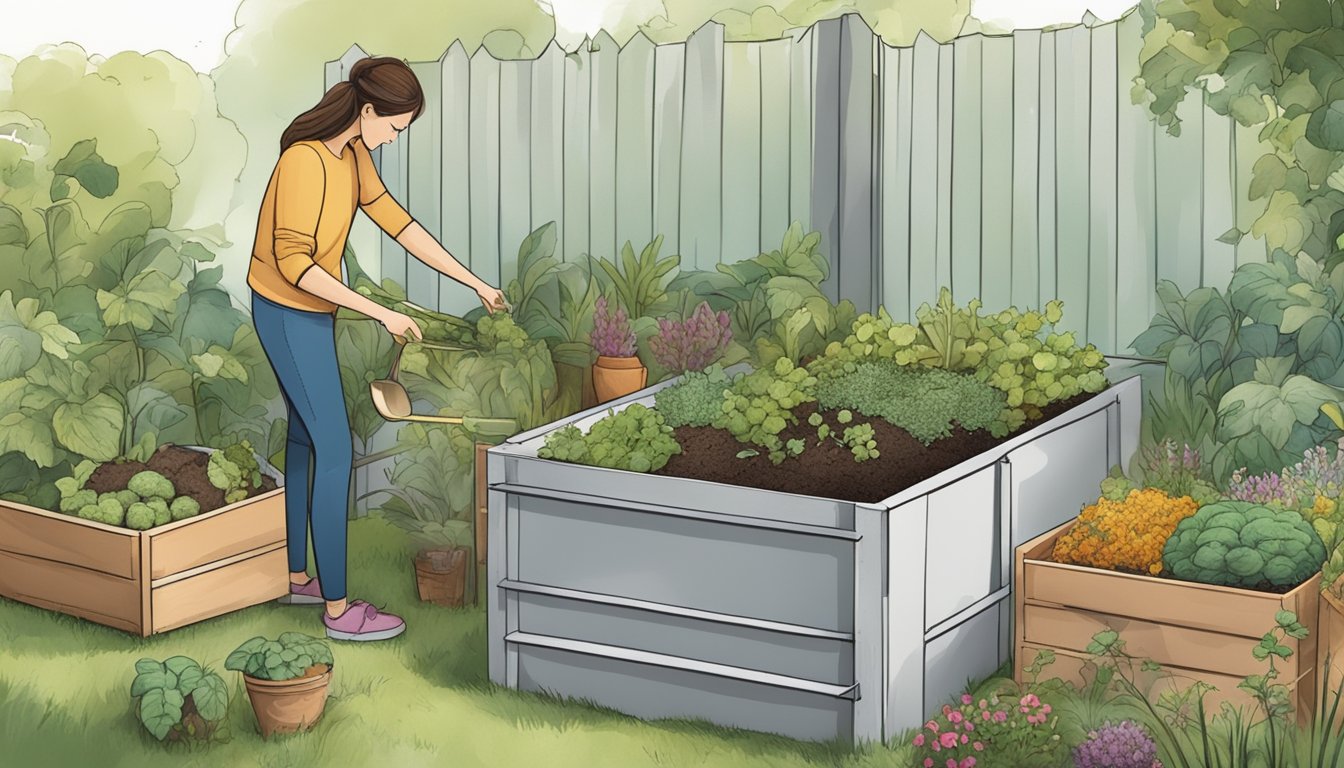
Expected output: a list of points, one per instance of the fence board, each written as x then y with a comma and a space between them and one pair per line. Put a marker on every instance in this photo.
701, 154
854, 258
1027, 143
742, 163
1219, 202
484, 162
946, 63
455, 174
423, 140
1180, 179
924, 200
1101, 282
602, 148
966, 167
1072, 142
634, 143
800, 127
576, 163
775, 58
1136, 246
996, 182
1048, 239
668, 82
547, 141
515, 163
826, 146
897, 84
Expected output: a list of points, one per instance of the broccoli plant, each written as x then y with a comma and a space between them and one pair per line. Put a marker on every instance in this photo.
179, 699
151, 485
233, 470
1243, 544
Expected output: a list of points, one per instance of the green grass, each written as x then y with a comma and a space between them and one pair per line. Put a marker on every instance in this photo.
423, 699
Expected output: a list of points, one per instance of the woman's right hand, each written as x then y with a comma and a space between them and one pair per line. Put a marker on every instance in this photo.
401, 326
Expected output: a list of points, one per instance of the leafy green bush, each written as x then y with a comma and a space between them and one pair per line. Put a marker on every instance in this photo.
696, 400
1175, 471
179, 699
286, 658
759, 405
923, 401
1241, 544
431, 485
234, 470
635, 438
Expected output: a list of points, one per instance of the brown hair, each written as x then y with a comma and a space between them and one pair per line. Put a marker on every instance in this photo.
383, 81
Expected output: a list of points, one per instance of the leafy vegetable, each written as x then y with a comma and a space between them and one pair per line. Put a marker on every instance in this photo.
759, 405
1239, 543
635, 438
924, 402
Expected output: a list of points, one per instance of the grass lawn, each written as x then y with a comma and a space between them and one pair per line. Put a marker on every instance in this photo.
423, 699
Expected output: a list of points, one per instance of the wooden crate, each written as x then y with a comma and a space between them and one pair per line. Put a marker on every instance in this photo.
146, 582
1195, 631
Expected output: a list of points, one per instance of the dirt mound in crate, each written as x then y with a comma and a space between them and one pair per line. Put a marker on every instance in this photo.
184, 467
829, 470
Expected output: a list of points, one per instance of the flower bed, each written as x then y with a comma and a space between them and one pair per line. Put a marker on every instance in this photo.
147, 581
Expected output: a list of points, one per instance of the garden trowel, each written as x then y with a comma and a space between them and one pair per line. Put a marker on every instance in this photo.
390, 398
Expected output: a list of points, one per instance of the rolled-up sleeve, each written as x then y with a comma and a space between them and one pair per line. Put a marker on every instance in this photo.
300, 191
374, 199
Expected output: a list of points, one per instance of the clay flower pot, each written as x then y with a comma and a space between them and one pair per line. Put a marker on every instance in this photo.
615, 377
441, 575
289, 706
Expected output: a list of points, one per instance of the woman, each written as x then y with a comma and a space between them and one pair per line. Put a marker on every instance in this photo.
324, 173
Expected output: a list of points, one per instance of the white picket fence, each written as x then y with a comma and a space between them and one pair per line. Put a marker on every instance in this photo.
1015, 168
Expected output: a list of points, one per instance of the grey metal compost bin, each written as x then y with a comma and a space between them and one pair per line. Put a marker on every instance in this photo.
808, 617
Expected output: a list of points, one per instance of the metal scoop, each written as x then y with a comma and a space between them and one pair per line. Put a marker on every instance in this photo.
390, 398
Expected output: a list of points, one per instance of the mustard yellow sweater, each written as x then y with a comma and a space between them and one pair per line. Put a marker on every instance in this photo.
306, 216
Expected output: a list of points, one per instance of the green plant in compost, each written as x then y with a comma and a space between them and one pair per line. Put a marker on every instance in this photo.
179, 699
635, 438
759, 405
925, 402
695, 401
234, 470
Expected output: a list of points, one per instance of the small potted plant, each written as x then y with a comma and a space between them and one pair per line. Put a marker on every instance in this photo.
618, 370
286, 678
179, 699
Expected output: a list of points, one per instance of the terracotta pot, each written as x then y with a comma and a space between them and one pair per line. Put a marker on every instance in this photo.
441, 575
288, 706
615, 377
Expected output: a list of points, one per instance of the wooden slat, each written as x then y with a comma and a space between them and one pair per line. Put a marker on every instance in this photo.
602, 148
192, 573
943, 214
515, 163
924, 201
775, 56
800, 129
634, 143
1047, 237
576, 164
1072, 174
742, 155
455, 174
1180, 182
26, 530
88, 594
1027, 117
242, 584
854, 258
481, 502
217, 535
996, 183
1105, 168
702, 149
897, 92
548, 148
393, 170
826, 144
1136, 245
1072, 630
967, 166
484, 166
146, 605
423, 147
668, 83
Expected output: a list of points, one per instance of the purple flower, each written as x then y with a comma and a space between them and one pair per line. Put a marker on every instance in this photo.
1125, 745
692, 344
611, 336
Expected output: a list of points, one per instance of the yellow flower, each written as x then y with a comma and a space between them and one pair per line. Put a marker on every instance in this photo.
1323, 507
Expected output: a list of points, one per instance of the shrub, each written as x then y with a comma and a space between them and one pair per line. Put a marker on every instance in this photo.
1123, 745
924, 402
1242, 544
995, 731
636, 438
1124, 535
694, 401
612, 336
692, 344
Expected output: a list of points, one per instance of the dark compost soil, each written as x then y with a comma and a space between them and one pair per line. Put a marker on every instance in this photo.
829, 470
183, 466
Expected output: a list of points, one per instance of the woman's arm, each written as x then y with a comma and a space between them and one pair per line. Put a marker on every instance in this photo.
320, 283
422, 245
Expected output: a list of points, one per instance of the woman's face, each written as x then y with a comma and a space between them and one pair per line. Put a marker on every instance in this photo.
377, 130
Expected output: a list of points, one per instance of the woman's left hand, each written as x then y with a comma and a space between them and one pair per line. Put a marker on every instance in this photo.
492, 298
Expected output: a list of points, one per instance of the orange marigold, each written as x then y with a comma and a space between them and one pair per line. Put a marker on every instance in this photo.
1124, 535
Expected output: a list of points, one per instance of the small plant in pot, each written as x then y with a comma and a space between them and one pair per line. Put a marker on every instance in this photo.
287, 680
179, 700
618, 371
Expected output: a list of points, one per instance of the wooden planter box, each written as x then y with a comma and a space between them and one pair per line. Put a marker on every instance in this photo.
146, 582
1195, 631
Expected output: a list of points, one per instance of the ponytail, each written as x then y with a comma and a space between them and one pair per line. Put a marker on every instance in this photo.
385, 82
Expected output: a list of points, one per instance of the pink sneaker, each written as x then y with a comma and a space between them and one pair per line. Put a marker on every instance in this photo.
362, 622
303, 594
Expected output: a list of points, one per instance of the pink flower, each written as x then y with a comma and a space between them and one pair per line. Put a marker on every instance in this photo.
1046, 709
966, 698
983, 704
946, 710
1022, 709
1030, 700
936, 747
928, 762
970, 726
968, 763
964, 738
949, 740
955, 717
932, 726
1000, 717
984, 715
979, 746
951, 762
919, 740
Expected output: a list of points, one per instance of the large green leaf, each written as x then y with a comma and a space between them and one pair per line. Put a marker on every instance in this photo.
58, 258
1326, 127
148, 297
21, 429
160, 710
91, 428
12, 229
85, 165
17, 472
211, 697
151, 679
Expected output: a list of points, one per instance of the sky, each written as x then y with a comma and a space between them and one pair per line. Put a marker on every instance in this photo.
194, 30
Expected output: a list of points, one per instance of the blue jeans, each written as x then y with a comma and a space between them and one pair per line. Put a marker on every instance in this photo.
301, 347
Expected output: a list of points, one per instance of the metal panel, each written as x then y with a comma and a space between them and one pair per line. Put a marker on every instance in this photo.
1055, 475
1028, 114
702, 149
742, 158
996, 183
1136, 256
924, 201
962, 540
576, 162
423, 146
668, 83
547, 142
826, 143
1104, 164
904, 677
853, 265
455, 175
776, 56
1072, 147
897, 71
484, 167
969, 652
774, 575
